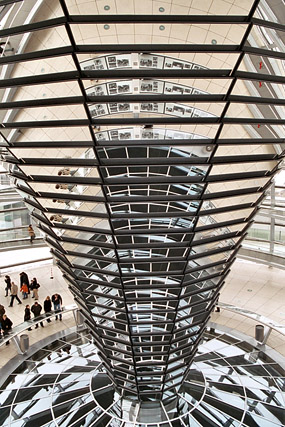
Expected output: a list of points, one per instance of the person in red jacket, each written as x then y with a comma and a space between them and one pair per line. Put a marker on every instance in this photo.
25, 290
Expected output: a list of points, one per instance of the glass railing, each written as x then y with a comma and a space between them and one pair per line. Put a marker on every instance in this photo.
267, 233
19, 233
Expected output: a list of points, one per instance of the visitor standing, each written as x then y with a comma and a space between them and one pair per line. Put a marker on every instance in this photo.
6, 324
47, 307
2, 312
8, 284
24, 289
31, 233
24, 279
57, 303
35, 288
36, 310
14, 294
27, 315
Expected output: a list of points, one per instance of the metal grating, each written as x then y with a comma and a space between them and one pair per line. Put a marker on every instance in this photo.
64, 384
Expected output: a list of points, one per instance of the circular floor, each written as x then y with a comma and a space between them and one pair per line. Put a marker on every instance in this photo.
230, 383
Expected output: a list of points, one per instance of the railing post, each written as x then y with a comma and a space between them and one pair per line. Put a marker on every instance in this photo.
79, 319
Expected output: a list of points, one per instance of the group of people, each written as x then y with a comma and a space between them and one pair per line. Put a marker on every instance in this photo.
36, 309
27, 287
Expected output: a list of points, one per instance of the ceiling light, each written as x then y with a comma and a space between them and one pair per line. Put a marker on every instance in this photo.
162, 27
107, 7
214, 41
161, 9
106, 27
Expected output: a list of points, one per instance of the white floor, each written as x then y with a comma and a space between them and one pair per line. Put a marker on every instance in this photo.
42, 271
252, 286
256, 287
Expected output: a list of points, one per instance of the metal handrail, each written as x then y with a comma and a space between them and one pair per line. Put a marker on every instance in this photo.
258, 318
22, 227
14, 334
254, 316
22, 327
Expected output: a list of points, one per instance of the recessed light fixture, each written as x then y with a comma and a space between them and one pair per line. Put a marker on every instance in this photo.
161, 9
44, 94
107, 7
42, 70
214, 41
162, 27
106, 27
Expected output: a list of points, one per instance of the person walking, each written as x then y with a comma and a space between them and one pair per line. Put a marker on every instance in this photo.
47, 307
14, 294
57, 303
35, 288
8, 284
31, 233
24, 289
27, 315
36, 310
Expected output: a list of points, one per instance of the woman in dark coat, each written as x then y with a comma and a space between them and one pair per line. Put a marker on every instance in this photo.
47, 306
24, 279
27, 315
6, 324
8, 284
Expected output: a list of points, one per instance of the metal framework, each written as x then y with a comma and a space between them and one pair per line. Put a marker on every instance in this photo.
145, 210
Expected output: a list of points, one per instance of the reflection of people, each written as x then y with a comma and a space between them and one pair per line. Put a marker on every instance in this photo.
4, 48
59, 201
68, 187
58, 218
66, 348
217, 310
66, 171
31, 233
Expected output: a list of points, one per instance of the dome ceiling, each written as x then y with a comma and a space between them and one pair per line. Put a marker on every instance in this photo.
143, 137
